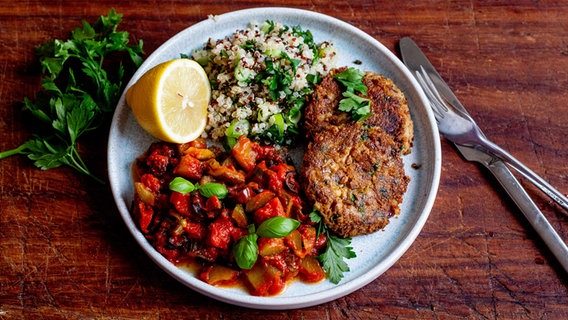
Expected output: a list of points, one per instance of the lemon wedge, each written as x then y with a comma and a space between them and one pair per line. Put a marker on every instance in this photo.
170, 100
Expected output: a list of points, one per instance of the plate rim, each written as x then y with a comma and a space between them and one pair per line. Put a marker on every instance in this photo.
279, 302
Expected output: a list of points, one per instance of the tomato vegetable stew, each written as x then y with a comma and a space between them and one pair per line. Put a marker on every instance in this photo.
236, 215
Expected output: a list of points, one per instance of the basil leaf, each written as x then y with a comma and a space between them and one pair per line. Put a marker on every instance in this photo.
277, 227
245, 251
181, 185
213, 189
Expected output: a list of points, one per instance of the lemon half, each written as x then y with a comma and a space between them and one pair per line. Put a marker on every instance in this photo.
170, 100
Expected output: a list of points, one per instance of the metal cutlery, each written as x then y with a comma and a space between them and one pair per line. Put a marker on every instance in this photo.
455, 123
529, 209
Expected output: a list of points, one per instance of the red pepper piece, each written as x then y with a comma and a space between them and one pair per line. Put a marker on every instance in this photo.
180, 201
189, 168
220, 232
271, 209
244, 153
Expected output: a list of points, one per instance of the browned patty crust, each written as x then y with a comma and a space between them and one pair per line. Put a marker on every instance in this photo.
353, 172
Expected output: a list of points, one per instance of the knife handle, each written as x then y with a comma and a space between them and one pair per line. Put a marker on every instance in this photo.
544, 186
529, 209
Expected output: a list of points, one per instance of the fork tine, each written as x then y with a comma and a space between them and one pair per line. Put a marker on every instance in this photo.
438, 109
440, 102
439, 99
447, 105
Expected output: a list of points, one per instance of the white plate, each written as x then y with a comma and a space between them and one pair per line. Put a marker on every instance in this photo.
376, 252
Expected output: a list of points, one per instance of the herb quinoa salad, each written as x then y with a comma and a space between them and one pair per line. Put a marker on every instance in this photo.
260, 77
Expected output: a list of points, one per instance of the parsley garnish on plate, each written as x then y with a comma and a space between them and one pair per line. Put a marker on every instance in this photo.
336, 251
80, 91
357, 106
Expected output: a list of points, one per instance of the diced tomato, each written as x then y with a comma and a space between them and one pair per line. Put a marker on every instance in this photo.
209, 254
151, 182
265, 280
220, 232
170, 254
278, 284
238, 233
213, 203
189, 168
180, 202
272, 209
145, 214
277, 261
308, 238
321, 242
158, 163
263, 152
195, 230
241, 194
244, 153
160, 157
275, 182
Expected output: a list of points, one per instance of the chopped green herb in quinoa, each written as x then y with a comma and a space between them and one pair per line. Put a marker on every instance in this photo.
262, 74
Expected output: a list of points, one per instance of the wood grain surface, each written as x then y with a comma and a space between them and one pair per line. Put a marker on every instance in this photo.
66, 254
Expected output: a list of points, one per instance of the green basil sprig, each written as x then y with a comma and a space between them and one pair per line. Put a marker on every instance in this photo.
207, 190
245, 250
181, 185
277, 227
213, 189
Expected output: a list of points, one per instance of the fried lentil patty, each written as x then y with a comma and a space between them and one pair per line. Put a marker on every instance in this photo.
353, 172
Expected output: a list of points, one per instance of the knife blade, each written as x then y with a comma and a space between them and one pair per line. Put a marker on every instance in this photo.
523, 201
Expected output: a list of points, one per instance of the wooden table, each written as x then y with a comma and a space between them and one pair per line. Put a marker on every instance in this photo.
66, 254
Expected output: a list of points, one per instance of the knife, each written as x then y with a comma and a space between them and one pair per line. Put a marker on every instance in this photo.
529, 209
414, 59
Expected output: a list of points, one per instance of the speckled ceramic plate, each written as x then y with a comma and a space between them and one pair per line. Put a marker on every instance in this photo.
375, 252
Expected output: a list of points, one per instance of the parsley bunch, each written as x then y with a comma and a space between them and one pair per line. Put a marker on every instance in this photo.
79, 91
358, 107
336, 251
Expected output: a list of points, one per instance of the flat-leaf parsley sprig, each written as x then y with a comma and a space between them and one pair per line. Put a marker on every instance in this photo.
79, 91
336, 251
358, 107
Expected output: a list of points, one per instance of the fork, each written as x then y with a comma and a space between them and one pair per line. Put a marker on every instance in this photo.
455, 123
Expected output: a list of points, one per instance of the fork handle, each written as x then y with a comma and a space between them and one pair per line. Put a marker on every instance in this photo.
535, 217
544, 186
